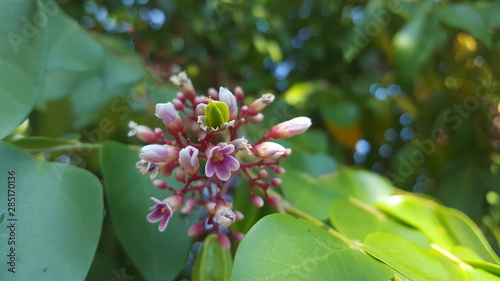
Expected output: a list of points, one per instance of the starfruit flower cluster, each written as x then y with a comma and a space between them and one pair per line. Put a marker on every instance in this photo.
205, 151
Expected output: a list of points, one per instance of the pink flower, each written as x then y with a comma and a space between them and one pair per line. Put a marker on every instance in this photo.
143, 133
290, 128
269, 150
182, 81
224, 216
159, 154
220, 162
163, 210
259, 104
242, 144
188, 159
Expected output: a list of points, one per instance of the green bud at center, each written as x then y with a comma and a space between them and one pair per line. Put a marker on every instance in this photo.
216, 113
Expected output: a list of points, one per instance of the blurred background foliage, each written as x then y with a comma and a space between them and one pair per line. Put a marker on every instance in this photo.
407, 89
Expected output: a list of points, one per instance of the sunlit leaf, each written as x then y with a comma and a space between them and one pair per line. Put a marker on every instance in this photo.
357, 220
281, 247
410, 260
479, 17
416, 41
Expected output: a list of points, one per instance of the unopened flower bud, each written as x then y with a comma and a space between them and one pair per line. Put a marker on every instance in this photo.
263, 174
257, 201
210, 206
159, 132
238, 215
161, 184
237, 236
279, 170
244, 110
239, 94
160, 154
170, 117
259, 104
184, 84
188, 206
224, 241
224, 216
275, 182
179, 105
228, 98
200, 109
243, 145
188, 160
143, 133
166, 112
181, 97
269, 150
257, 119
216, 114
180, 175
273, 201
200, 99
290, 128
288, 151
196, 229
212, 93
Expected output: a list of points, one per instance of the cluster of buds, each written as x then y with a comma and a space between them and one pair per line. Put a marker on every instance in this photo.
214, 122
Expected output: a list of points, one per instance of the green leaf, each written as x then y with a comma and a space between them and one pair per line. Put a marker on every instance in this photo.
463, 187
365, 186
212, 262
341, 114
315, 196
466, 233
419, 213
307, 193
479, 17
80, 67
281, 247
40, 142
416, 41
22, 59
58, 212
157, 255
410, 260
418, 264
357, 220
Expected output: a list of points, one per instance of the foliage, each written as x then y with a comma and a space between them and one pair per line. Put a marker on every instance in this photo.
406, 89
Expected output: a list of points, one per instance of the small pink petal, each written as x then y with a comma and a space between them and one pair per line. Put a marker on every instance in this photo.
231, 163
228, 149
155, 216
209, 168
164, 222
222, 171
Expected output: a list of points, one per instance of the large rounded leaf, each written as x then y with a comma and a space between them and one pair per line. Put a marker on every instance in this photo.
157, 255
281, 247
55, 218
22, 58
